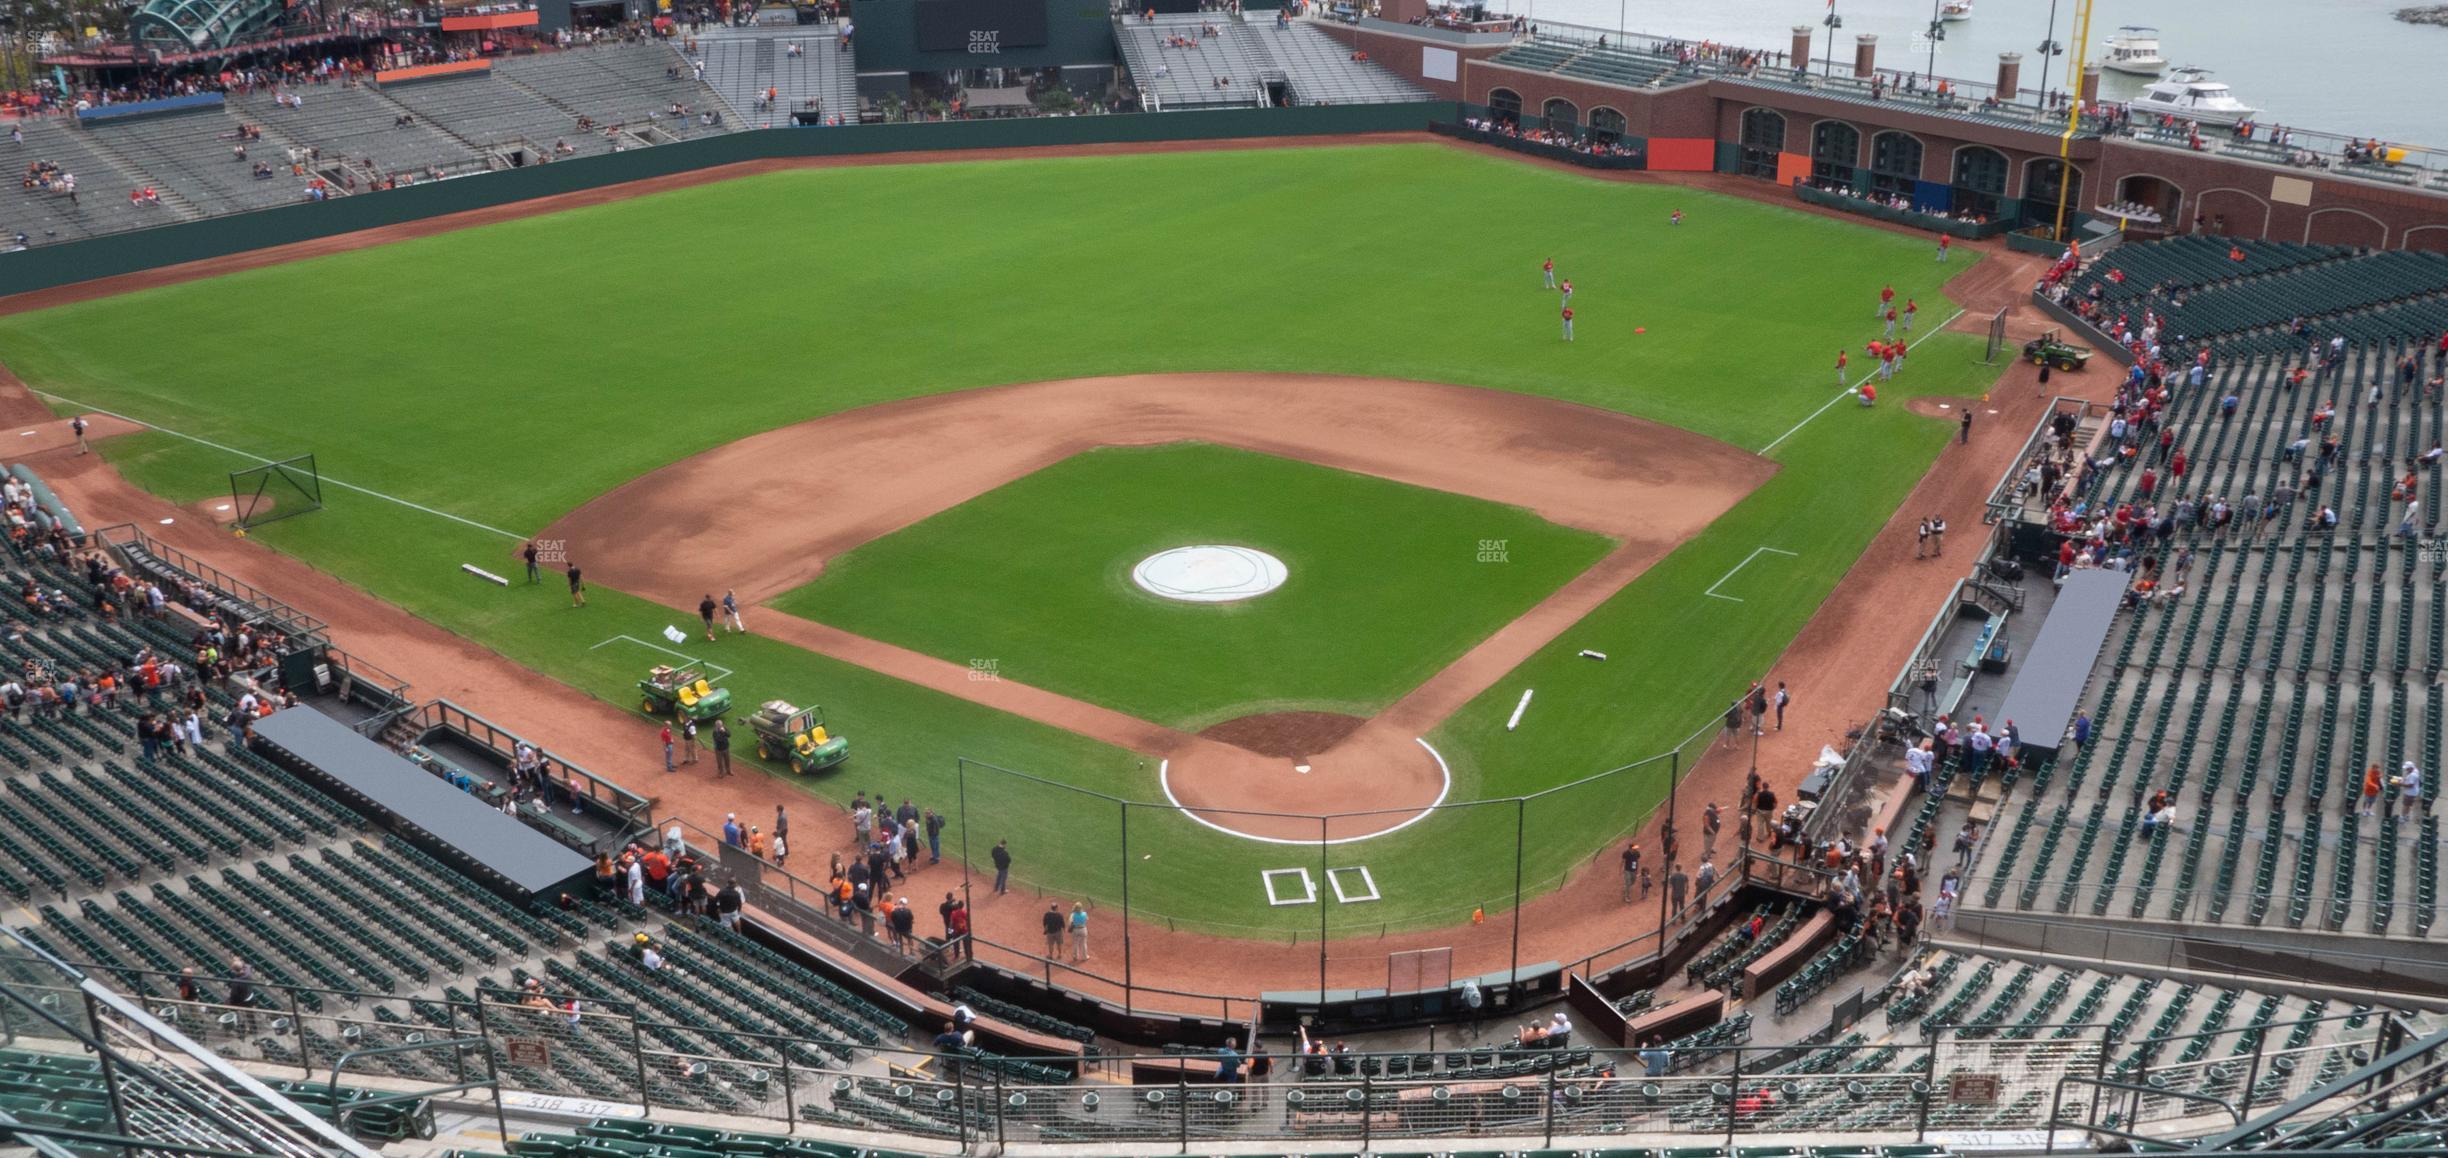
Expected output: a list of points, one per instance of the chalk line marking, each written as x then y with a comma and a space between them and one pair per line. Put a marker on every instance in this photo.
1366, 892
1841, 395
1756, 553
268, 461
693, 660
1308, 886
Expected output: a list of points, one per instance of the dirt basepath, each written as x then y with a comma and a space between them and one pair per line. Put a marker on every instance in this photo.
1647, 485
1838, 668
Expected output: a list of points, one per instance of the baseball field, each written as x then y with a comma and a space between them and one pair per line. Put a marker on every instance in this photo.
926, 419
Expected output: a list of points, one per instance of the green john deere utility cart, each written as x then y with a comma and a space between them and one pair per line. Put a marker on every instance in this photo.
784, 732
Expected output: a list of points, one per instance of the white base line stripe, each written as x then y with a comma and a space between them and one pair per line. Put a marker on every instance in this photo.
1756, 553
1841, 395
693, 660
259, 458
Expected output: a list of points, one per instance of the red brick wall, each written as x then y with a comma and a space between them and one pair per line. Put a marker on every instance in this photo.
1537, 88
2341, 212
1401, 55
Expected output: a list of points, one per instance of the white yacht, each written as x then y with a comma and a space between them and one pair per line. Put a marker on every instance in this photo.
2134, 49
2190, 94
1955, 10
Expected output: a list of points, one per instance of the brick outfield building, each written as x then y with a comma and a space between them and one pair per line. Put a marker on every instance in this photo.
1776, 130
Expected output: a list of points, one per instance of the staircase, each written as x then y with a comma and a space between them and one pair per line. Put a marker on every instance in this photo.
444, 129
134, 175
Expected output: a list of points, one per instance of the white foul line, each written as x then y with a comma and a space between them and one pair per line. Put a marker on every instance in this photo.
709, 666
1841, 395
259, 458
1756, 553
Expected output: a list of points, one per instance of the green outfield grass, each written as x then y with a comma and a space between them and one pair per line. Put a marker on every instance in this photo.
506, 374
1384, 583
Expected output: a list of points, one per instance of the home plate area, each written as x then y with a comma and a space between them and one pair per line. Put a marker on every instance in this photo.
1352, 885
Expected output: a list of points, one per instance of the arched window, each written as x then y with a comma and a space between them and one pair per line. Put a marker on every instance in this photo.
1763, 137
1562, 115
2043, 180
1606, 125
1980, 180
1835, 152
1504, 105
1895, 163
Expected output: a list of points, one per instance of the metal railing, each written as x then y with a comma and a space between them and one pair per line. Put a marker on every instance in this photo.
597, 792
125, 538
1950, 1077
162, 1087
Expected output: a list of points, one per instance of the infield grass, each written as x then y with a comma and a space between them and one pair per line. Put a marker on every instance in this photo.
509, 373
1384, 584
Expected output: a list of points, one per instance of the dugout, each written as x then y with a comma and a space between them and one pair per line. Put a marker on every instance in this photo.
920, 50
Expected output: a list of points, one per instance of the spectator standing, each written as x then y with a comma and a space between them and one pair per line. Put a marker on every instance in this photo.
1053, 925
904, 926
722, 748
1079, 931
1002, 866
1678, 883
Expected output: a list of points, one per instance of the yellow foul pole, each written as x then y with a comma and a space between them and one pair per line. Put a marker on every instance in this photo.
2065, 140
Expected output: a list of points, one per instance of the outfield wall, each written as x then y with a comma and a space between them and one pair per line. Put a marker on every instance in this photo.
54, 265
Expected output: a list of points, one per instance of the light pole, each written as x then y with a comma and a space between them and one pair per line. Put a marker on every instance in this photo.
1937, 32
2049, 48
1833, 23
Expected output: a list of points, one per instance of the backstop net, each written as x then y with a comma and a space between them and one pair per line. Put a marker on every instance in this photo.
1997, 336
275, 490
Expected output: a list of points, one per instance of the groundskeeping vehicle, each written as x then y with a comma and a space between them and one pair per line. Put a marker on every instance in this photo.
674, 692
799, 735
2050, 350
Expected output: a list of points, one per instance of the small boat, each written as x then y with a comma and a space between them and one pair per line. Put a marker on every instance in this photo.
2190, 94
2135, 49
1955, 10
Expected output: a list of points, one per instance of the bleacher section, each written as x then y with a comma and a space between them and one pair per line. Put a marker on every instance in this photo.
1587, 61
1321, 68
2296, 658
2206, 294
460, 125
741, 63
613, 84
1185, 78
350, 124
63, 1090
103, 182
137, 869
2187, 1037
189, 156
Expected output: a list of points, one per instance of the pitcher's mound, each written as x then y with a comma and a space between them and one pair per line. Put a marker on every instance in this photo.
1288, 734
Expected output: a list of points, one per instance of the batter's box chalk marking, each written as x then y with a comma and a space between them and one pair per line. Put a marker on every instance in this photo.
719, 670
1308, 887
1756, 553
1365, 891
